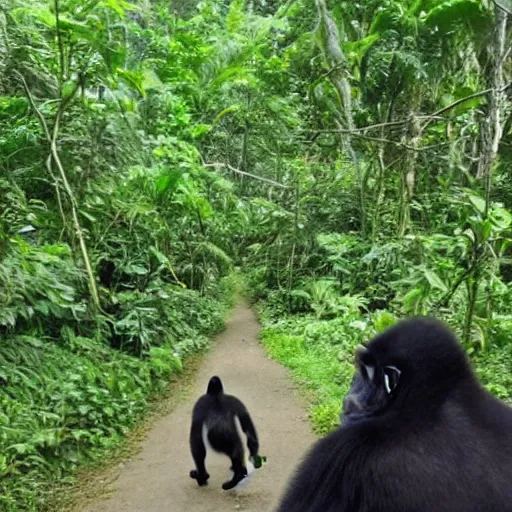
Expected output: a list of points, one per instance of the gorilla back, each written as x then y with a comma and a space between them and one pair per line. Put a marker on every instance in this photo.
418, 434
214, 416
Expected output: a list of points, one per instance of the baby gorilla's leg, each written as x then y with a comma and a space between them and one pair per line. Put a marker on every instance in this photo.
202, 478
238, 467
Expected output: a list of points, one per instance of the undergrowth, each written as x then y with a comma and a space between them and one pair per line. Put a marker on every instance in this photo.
67, 403
320, 353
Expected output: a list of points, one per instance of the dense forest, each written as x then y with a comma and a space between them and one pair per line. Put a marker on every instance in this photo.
349, 162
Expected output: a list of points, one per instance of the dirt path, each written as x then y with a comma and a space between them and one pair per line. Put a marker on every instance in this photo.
157, 480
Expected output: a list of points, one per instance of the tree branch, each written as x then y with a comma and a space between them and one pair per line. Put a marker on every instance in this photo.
436, 116
52, 140
381, 140
462, 100
60, 46
243, 173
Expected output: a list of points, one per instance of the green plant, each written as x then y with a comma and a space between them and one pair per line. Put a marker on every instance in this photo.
355, 176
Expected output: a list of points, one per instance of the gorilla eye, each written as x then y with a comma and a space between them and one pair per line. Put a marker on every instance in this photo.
391, 378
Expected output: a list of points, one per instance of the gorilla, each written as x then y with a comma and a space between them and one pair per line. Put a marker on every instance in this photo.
418, 434
214, 419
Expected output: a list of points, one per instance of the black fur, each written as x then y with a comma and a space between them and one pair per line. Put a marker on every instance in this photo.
434, 441
217, 411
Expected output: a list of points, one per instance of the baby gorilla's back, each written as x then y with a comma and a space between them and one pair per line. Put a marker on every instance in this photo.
222, 433
215, 418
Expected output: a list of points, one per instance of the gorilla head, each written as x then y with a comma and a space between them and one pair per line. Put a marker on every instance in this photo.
416, 361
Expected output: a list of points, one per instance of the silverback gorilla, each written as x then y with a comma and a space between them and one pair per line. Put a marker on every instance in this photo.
214, 417
418, 434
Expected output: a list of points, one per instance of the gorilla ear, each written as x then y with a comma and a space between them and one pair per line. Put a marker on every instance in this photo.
365, 363
391, 378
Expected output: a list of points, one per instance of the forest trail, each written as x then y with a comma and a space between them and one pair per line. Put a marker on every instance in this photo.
157, 479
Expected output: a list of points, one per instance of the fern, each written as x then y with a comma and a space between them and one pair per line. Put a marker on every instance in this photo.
214, 253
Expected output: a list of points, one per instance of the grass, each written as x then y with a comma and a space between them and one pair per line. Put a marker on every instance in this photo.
319, 354
93, 479
317, 369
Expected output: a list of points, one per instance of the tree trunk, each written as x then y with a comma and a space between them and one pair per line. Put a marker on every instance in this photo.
491, 127
408, 174
491, 131
338, 77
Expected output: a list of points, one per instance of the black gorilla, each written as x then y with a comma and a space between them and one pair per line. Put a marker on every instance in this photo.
214, 416
418, 434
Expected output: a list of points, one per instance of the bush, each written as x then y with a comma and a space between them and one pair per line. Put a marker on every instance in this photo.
320, 354
66, 401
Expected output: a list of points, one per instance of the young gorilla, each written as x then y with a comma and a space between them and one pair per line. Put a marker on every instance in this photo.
215, 415
418, 434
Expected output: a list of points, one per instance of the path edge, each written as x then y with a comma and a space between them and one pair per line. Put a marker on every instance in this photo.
93, 480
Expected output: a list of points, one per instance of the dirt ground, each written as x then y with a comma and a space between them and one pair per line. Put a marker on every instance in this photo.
157, 479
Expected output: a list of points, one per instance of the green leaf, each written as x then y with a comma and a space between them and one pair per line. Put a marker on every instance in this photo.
136, 270
118, 6
232, 73
133, 79
360, 47
412, 297
469, 233
150, 80
477, 202
21, 448
228, 110
383, 319
68, 88
445, 16
301, 294
501, 217
236, 16
486, 229
42, 14
434, 280
169, 181
88, 216
160, 256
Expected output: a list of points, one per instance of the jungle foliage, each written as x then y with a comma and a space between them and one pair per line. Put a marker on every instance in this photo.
351, 158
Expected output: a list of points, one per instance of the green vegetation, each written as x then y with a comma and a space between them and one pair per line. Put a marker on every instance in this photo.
320, 356
352, 158
64, 403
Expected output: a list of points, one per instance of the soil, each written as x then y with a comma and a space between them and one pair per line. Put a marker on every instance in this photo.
157, 478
